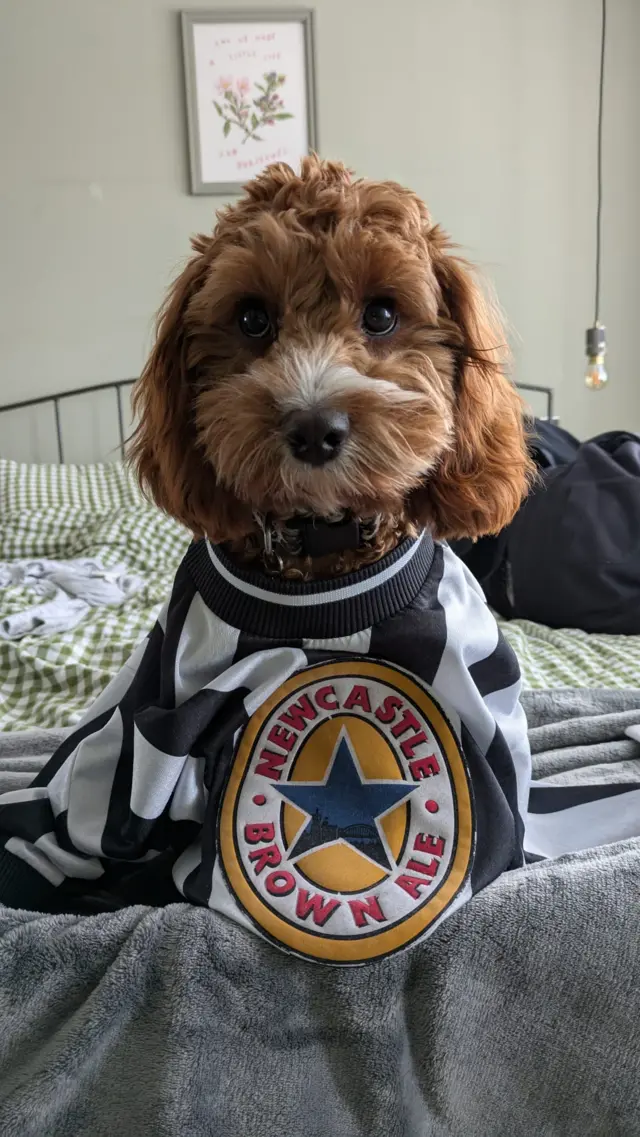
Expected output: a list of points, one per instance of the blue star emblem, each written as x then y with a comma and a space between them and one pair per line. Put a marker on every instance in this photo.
345, 806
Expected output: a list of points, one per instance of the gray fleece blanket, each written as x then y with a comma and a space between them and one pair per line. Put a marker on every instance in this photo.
519, 1017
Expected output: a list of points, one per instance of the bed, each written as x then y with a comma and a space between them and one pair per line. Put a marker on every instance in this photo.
518, 1016
61, 511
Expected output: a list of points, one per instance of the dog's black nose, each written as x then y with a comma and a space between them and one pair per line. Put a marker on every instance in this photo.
317, 436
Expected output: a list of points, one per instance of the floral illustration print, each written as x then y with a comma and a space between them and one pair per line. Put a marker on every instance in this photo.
238, 109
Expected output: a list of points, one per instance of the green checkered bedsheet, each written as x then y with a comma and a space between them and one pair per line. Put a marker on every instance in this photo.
63, 512
567, 657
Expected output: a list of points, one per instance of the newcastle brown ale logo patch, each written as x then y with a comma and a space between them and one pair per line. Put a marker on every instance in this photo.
346, 828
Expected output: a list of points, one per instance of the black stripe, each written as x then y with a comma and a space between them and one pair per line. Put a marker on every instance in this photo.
497, 845
217, 746
498, 757
135, 835
122, 884
553, 799
120, 837
327, 620
22, 886
415, 638
175, 730
197, 885
39, 818
27, 819
67, 747
125, 834
182, 594
498, 671
184, 833
201, 726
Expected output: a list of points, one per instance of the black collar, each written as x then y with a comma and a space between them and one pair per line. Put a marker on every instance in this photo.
315, 537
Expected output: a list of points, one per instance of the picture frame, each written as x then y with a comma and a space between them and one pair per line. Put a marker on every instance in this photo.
250, 93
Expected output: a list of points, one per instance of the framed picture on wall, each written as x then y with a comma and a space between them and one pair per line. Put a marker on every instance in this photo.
249, 91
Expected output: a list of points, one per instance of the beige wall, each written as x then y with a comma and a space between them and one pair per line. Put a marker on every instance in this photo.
486, 107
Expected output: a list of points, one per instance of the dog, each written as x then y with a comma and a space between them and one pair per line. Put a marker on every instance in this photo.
326, 354
321, 738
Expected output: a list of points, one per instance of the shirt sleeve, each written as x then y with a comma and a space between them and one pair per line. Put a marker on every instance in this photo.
104, 797
480, 674
498, 681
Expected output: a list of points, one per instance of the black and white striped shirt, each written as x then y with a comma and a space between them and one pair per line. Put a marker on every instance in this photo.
336, 765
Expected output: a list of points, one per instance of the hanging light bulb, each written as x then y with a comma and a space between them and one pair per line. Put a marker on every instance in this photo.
595, 375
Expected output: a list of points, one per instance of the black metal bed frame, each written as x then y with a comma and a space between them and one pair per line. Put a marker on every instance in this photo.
118, 384
546, 391
56, 399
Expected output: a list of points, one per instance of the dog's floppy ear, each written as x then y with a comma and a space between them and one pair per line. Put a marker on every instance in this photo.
162, 447
164, 450
484, 474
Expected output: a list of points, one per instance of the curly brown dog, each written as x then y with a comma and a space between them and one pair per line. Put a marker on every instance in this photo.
325, 354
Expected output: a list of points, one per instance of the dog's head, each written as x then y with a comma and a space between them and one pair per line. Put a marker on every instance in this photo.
325, 351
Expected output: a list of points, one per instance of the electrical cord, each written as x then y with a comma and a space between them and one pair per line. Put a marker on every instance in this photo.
603, 37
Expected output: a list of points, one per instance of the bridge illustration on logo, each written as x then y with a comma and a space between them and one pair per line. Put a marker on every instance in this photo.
346, 829
364, 838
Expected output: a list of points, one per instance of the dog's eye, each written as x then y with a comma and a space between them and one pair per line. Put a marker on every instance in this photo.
254, 321
379, 317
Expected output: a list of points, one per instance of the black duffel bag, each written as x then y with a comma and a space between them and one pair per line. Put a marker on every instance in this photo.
571, 556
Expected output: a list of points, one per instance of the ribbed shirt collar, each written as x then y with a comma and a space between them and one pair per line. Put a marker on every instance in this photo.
284, 609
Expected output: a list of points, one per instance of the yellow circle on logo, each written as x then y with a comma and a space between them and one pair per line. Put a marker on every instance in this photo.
335, 901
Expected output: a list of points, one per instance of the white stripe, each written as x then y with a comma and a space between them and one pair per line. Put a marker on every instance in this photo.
95, 761
303, 600
70, 865
262, 672
115, 691
471, 628
254, 669
473, 584
29, 793
154, 777
206, 647
358, 643
59, 785
189, 799
35, 858
186, 863
583, 826
472, 635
